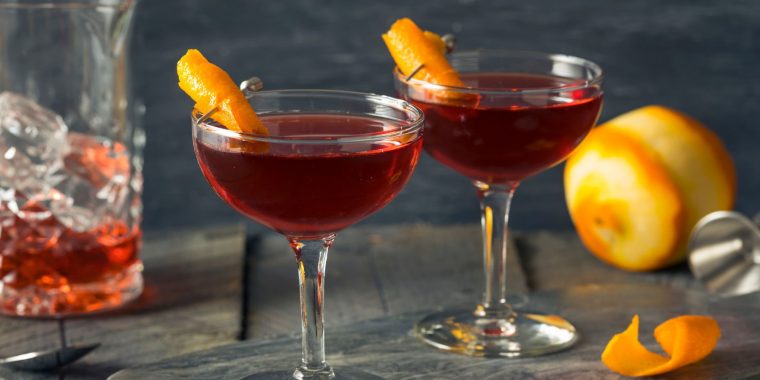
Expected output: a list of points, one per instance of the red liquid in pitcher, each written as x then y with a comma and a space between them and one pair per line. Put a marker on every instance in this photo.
507, 138
58, 261
309, 190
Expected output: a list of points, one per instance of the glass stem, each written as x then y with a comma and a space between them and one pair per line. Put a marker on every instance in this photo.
495, 201
312, 258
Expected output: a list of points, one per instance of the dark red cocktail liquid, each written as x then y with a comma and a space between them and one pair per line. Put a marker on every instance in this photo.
310, 190
506, 138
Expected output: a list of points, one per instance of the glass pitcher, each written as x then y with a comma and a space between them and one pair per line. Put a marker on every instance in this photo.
70, 158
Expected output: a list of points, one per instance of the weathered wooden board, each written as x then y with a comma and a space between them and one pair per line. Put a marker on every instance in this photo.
385, 346
374, 272
191, 302
192, 298
557, 259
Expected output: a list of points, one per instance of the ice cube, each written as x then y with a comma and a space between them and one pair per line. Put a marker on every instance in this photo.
98, 160
32, 139
95, 182
77, 218
45, 171
33, 206
80, 210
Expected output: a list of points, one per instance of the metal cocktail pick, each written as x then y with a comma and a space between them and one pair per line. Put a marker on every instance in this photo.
251, 85
248, 87
451, 43
724, 253
51, 359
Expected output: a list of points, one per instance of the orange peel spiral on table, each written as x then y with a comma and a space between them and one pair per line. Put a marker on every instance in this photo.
211, 87
686, 339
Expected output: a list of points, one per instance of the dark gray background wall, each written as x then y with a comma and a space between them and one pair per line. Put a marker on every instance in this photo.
702, 57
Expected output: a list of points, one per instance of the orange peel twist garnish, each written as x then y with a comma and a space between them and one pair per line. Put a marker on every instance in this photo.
410, 47
211, 87
436, 40
686, 339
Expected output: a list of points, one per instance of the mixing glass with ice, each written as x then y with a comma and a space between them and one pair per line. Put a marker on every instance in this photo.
70, 158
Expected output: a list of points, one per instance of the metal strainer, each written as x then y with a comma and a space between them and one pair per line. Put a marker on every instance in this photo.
724, 253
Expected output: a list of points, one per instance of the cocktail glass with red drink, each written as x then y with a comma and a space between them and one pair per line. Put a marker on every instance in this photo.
330, 159
519, 113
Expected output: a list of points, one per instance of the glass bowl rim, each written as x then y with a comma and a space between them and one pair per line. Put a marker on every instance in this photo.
414, 127
596, 80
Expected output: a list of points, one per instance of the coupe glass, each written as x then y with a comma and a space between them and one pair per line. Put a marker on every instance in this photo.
518, 114
330, 159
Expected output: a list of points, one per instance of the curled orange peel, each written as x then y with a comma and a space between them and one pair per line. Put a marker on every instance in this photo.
211, 87
411, 47
686, 339
436, 40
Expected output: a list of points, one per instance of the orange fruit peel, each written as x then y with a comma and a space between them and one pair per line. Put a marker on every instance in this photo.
693, 156
436, 40
639, 183
212, 88
624, 206
686, 339
410, 47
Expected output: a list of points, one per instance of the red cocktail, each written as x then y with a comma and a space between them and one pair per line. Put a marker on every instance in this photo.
330, 158
316, 189
512, 139
516, 115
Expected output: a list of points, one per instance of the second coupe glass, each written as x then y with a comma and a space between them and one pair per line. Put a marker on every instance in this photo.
519, 114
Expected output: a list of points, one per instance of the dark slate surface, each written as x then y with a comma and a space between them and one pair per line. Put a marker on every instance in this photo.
698, 56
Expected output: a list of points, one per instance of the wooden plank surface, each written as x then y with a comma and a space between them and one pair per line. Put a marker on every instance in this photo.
554, 260
192, 296
191, 302
374, 272
379, 280
418, 267
385, 346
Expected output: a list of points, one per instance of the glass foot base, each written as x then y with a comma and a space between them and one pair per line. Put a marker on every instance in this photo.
523, 335
75, 299
340, 374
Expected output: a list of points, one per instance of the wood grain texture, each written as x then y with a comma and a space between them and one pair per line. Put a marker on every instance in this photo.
193, 280
385, 346
379, 281
191, 302
374, 272
557, 259
422, 267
